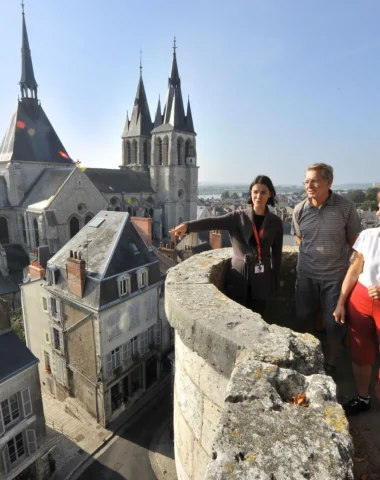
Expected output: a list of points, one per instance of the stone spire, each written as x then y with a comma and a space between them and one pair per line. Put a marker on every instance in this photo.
158, 118
28, 84
189, 118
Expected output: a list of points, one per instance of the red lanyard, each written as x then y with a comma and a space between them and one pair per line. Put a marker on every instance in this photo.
258, 237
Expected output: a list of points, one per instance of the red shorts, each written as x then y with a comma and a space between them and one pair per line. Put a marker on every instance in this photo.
363, 314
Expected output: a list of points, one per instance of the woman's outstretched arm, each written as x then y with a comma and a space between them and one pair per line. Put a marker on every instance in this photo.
223, 222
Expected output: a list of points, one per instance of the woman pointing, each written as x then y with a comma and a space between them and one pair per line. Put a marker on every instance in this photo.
256, 238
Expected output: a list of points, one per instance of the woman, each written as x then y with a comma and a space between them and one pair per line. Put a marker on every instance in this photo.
361, 287
256, 238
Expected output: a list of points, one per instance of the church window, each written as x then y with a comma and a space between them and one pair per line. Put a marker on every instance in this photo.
36, 233
23, 227
189, 150
74, 226
4, 234
159, 148
181, 193
180, 145
145, 152
129, 153
135, 151
87, 219
165, 151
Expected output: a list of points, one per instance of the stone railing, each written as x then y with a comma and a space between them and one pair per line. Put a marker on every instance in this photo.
235, 376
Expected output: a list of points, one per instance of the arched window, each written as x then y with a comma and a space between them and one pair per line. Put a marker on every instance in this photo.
145, 152
165, 151
74, 226
159, 149
135, 151
23, 227
180, 150
87, 219
189, 149
36, 233
129, 153
4, 234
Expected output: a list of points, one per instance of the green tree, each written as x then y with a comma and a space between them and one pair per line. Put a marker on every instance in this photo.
17, 323
370, 205
357, 196
372, 194
235, 196
225, 194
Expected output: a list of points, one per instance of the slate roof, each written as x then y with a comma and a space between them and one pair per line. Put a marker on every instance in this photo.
119, 180
141, 122
18, 356
45, 188
27, 73
17, 258
31, 137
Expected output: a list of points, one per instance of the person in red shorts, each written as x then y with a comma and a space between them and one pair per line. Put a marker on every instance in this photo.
359, 300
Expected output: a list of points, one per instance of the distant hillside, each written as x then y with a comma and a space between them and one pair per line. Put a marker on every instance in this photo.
209, 188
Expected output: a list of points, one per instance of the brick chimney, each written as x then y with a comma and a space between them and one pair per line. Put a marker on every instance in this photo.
76, 274
36, 270
5, 322
144, 227
215, 239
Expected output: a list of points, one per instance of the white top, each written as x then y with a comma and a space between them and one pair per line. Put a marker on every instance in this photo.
368, 244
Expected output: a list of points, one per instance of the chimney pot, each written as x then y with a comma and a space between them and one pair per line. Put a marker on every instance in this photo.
79, 256
71, 254
75, 255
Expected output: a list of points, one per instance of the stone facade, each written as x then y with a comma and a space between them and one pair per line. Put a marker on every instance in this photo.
235, 375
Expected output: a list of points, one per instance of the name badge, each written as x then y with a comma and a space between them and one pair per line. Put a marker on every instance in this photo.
259, 268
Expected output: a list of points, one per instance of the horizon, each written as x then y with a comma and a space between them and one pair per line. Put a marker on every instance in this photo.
272, 88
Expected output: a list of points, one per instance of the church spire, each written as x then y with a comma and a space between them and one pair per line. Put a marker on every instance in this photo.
158, 118
189, 118
174, 75
28, 84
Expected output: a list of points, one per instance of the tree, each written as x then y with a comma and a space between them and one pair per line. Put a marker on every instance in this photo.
17, 323
225, 194
235, 196
370, 205
357, 196
372, 194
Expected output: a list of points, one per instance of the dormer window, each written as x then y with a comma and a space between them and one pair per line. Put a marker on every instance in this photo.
55, 309
124, 284
142, 278
52, 275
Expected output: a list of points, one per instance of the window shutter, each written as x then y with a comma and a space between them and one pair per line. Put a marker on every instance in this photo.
50, 308
61, 342
1, 423
6, 460
58, 304
32, 443
117, 358
109, 365
26, 403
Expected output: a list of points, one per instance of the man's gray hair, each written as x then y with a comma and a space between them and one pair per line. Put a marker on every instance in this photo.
326, 170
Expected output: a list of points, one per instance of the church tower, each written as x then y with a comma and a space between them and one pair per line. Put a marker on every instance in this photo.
136, 138
173, 169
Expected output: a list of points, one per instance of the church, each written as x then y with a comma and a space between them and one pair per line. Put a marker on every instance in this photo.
46, 198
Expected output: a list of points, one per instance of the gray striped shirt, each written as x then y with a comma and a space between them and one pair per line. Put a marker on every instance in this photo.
324, 252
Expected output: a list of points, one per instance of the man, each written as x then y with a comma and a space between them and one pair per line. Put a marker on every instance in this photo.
326, 225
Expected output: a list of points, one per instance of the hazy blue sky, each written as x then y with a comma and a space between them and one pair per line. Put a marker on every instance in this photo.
274, 85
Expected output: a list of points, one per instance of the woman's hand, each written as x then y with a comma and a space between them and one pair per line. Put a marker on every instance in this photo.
374, 292
179, 231
340, 313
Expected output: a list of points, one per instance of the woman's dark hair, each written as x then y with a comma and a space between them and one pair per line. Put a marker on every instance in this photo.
263, 180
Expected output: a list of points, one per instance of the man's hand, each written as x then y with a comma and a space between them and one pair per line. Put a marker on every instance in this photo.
179, 231
374, 292
340, 313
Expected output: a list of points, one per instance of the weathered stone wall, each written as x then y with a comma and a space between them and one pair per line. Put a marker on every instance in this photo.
235, 375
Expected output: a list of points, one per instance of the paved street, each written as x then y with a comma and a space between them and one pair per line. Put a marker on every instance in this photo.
127, 457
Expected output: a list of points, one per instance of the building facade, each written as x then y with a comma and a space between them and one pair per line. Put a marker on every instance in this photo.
22, 421
94, 316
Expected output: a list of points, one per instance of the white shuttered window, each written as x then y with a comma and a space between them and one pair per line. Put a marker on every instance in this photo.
26, 402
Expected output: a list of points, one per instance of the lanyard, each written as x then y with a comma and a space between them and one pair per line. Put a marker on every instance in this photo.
258, 237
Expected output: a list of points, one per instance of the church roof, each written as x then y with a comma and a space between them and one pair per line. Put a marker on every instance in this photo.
118, 181
141, 122
45, 188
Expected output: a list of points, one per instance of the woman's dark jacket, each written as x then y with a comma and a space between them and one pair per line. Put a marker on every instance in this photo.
242, 281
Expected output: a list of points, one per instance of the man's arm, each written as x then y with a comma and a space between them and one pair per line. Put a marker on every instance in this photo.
351, 239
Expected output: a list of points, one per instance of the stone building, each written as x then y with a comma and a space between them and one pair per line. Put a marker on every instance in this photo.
94, 316
22, 421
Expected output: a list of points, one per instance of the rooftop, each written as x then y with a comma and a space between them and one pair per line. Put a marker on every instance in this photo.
18, 356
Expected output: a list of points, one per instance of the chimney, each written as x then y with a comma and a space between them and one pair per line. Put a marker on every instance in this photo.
144, 227
76, 274
5, 322
215, 239
38, 260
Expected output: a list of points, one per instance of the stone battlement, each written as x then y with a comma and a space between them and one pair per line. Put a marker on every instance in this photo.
235, 376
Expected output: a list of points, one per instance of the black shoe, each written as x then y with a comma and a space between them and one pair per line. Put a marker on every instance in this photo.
357, 405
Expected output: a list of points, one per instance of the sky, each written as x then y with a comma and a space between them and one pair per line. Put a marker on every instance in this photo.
274, 85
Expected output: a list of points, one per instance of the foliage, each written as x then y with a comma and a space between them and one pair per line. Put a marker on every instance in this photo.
225, 194
372, 194
235, 196
17, 323
357, 196
370, 205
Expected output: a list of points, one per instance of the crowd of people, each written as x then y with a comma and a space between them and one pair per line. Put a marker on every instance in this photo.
338, 270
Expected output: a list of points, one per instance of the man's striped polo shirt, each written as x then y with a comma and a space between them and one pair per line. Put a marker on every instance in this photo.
324, 252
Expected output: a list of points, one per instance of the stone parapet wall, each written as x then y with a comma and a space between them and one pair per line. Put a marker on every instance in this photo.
235, 375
